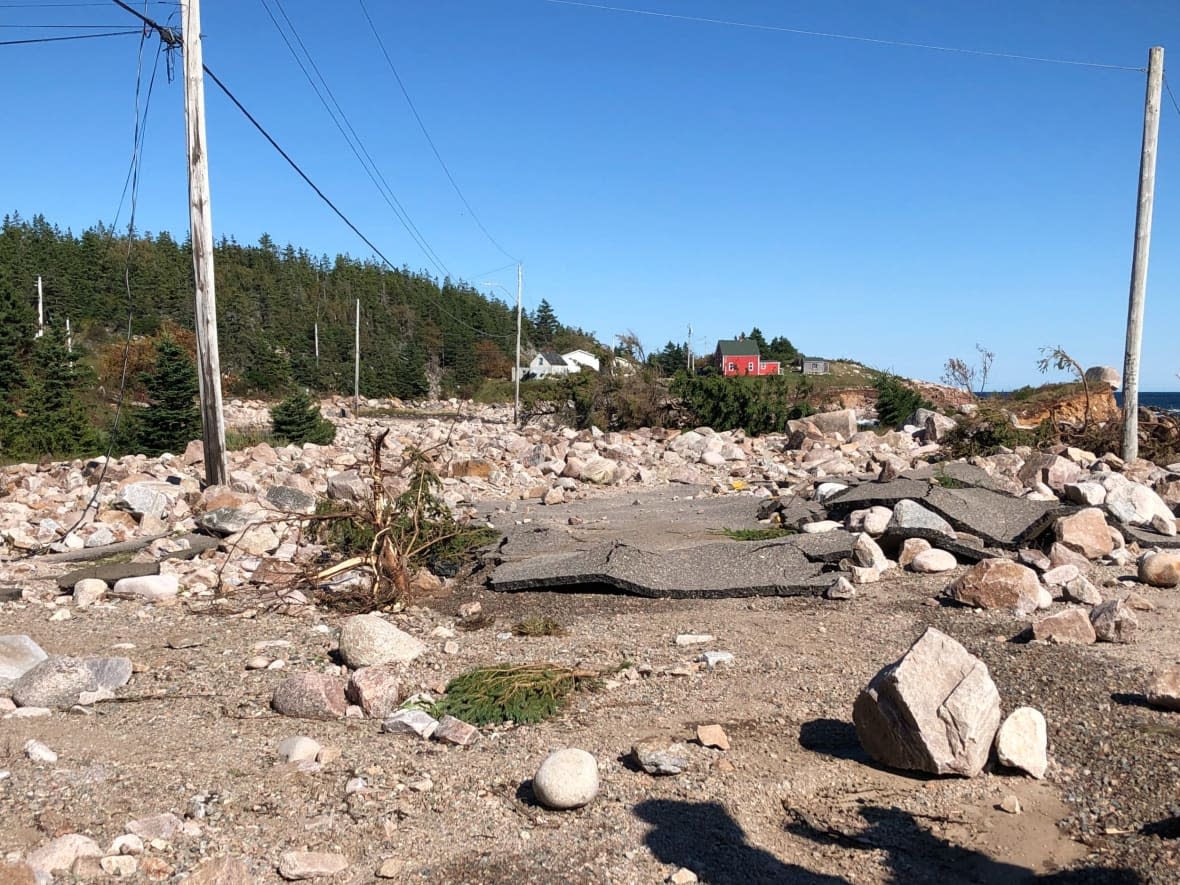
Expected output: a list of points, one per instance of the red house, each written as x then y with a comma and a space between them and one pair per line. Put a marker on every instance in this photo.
742, 357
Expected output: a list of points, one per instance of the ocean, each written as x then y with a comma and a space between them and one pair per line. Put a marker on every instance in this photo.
1165, 401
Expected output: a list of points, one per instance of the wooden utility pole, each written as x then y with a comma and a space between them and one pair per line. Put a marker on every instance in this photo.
516, 391
317, 343
1151, 131
356, 369
201, 226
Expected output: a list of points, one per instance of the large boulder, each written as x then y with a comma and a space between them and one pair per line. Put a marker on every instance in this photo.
936, 709
60, 681
842, 422
1133, 503
998, 583
1103, 375
1086, 532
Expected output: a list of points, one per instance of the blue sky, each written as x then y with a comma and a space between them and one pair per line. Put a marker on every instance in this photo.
890, 204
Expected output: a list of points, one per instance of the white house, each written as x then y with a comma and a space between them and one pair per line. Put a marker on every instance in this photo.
547, 363
582, 359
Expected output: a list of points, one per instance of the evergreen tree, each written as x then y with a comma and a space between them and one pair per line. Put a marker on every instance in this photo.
546, 325
782, 350
672, 359
298, 420
48, 416
896, 401
17, 325
757, 337
171, 420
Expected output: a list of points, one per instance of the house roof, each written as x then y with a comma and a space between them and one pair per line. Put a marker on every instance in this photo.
737, 347
553, 359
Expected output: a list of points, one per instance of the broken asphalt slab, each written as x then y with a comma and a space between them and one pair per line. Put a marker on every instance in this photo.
997, 519
659, 544
717, 570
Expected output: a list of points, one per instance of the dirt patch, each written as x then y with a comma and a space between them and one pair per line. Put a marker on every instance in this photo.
793, 800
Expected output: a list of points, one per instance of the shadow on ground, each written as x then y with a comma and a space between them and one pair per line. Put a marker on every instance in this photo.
703, 837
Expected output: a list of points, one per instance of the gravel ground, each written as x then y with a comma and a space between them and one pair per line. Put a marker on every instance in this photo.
793, 800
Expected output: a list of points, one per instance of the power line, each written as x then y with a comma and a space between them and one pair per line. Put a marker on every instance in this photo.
1171, 94
370, 166
429, 140
75, 5
294, 165
60, 27
837, 36
60, 39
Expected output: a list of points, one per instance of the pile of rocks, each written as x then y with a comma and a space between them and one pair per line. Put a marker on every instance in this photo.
369, 684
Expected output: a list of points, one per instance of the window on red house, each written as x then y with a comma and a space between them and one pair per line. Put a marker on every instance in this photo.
732, 366
749, 367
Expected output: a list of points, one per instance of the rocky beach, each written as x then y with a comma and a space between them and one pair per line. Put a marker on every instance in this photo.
827, 655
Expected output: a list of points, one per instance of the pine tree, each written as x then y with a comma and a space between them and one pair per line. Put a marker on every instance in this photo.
48, 417
171, 420
16, 337
546, 324
298, 420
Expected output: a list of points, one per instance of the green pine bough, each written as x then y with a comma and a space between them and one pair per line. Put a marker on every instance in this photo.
520, 693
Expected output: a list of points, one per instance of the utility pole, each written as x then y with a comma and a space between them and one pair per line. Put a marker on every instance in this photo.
40, 310
356, 369
688, 351
69, 337
1151, 130
201, 225
316, 329
516, 373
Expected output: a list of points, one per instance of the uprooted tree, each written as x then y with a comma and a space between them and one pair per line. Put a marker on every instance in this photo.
400, 525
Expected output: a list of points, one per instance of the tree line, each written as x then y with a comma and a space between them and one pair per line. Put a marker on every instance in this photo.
419, 336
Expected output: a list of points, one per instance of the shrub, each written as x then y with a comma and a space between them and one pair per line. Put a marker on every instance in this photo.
896, 401
989, 429
757, 405
298, 420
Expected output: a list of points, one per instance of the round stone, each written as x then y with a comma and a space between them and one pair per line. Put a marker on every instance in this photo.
566, 779
931, 562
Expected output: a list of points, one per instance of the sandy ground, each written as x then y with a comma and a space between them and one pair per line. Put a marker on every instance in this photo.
794, 800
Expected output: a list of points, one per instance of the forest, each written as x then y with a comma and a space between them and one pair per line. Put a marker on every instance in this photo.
419, 336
